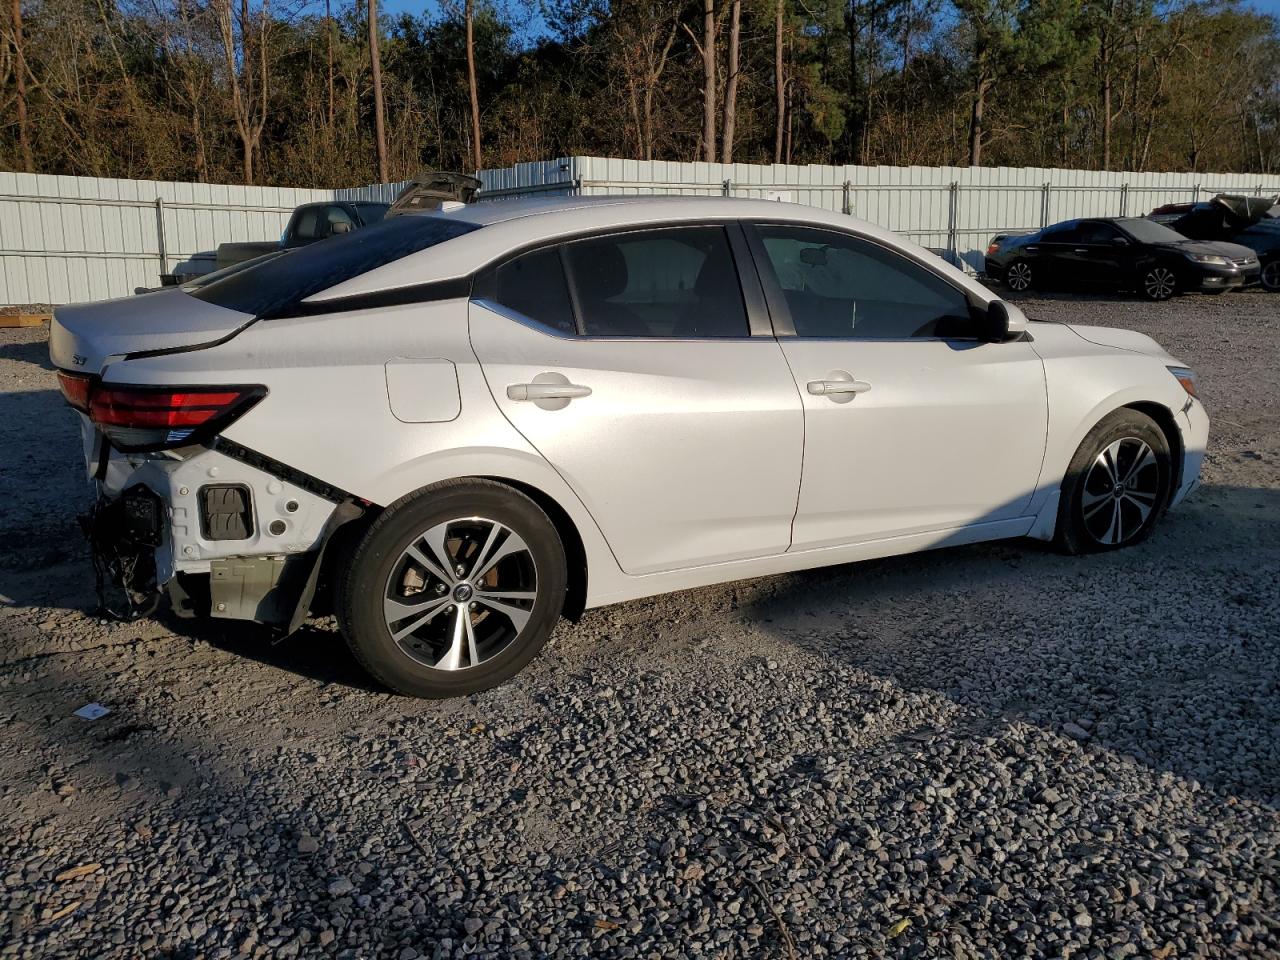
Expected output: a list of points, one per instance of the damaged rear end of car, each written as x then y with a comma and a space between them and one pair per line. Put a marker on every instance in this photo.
178, 507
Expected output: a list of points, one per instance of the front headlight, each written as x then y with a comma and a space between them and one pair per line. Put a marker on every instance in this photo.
1212, 258
1186, 377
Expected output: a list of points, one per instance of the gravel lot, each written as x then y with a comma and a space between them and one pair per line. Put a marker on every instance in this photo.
987, 751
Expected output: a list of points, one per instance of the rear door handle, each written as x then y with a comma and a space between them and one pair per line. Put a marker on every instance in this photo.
547, 391
827, 388
1081, 250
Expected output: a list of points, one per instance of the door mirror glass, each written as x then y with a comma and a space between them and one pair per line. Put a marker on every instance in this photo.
1005, 321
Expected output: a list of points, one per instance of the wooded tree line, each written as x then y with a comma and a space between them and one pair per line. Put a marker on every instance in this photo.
304, 92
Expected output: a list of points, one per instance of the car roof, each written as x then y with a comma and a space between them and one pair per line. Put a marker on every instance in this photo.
616, 207
513, 224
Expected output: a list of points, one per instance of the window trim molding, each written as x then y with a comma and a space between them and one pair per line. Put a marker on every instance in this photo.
780, 313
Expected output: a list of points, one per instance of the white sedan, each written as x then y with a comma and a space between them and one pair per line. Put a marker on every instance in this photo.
453, 428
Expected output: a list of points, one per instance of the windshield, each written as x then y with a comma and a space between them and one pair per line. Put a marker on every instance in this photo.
274, 285
1148, 231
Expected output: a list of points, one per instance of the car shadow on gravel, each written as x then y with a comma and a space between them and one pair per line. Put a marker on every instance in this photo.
1168, 652
36, 353
316, 651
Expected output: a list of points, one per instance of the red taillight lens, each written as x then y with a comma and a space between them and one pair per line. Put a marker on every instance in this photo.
995, 245
139, 418
136, 407
75, 387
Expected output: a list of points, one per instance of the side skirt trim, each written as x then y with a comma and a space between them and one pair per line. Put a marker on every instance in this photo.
635, 587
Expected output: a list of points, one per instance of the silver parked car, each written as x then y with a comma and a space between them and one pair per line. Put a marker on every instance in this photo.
462, 424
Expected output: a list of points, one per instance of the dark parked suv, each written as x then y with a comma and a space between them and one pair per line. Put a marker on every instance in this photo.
1123, 253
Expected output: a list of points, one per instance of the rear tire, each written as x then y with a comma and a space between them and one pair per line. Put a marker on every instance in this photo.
1019, 277
453, 590
1117, 485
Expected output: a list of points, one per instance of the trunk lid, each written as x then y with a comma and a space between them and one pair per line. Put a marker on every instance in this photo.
85, 336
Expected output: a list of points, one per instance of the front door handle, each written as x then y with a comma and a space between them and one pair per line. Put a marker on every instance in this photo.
1081, 250
547, 391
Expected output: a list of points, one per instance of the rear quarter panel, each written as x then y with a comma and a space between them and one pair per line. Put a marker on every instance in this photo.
327, 411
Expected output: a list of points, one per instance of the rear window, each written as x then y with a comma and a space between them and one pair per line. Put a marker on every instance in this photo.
275, 287
371, 212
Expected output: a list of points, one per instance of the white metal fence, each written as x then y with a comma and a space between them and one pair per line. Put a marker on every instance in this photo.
65, 239
953, 208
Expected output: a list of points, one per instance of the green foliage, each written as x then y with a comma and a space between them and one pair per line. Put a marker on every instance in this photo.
142, 88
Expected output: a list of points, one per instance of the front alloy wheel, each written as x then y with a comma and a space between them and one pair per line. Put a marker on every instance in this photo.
1121, 490
1159, 283
1116, 486
454, 589
1018, 276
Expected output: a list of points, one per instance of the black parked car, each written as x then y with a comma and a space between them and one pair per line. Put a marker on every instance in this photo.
1122, 253
1253, 222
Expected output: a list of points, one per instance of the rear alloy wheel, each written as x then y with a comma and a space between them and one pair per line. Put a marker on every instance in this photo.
1271, 276
1117, 485
454, 590
1018, 276
1159, 283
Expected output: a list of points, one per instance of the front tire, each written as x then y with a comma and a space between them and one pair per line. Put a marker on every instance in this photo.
1271, 276
1117, 485
1159, 283
453, 590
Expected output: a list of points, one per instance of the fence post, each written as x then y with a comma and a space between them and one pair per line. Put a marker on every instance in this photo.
952, 213
848, 198
726, 188
1195, 193
160, 244
1124, 199
1044, 204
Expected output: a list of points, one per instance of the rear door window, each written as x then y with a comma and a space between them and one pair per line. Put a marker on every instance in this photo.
1065, 233
678, 282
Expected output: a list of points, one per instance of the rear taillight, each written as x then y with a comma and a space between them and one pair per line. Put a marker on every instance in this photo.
75, 387
137, 418
995, 245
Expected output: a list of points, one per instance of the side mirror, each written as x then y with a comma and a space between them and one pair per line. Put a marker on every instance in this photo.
1005, 321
